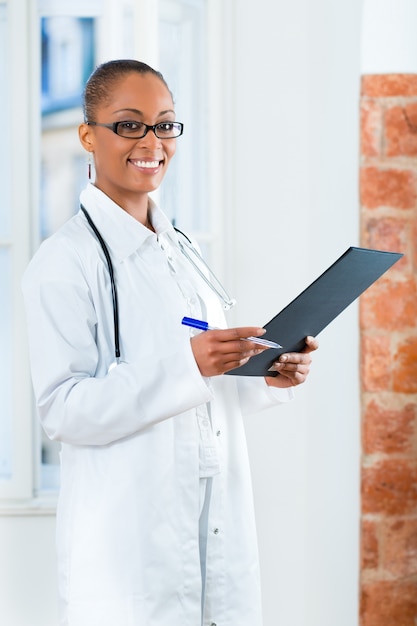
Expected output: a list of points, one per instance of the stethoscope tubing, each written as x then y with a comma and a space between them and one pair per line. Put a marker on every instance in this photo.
228, 302
112, 283
112, 280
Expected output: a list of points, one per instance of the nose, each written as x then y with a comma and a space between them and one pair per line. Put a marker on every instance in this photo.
150, 138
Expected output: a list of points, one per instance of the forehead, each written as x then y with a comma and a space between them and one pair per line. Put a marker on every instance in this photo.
143, 92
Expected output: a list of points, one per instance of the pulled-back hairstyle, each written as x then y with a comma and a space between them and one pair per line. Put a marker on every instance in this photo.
98, 86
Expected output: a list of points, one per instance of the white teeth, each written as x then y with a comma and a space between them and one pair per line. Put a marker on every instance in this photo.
147, 164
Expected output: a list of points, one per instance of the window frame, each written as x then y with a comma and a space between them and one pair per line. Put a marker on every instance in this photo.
20, 485
19, 495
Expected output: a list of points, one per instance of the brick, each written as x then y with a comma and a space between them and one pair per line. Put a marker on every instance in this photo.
394, 188
369, 545
400, 135
371, 128
389, 85
390, 487
413, 244
389, 305
388, 319
389, 603
405, 367
376, 362
399, 548
389, 430
387, 233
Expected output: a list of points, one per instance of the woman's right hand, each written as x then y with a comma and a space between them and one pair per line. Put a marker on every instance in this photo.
218, 351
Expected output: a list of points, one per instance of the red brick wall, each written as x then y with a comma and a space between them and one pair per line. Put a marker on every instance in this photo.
388, 317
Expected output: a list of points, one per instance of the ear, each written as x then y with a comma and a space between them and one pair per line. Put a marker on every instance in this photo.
86, 137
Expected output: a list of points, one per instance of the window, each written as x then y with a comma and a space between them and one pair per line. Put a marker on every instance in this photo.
182, 60
5, 372
15, 424
69, 51
68, 56
45, 74
5, 268
67, 59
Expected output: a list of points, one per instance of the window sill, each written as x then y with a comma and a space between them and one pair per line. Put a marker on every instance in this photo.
42, 505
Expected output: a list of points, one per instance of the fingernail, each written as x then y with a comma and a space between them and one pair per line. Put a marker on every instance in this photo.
283, 358
275, 367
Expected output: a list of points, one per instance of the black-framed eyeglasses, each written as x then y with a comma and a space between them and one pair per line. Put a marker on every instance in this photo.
131, 129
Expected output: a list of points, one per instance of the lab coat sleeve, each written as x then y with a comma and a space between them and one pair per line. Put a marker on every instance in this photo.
74, 405
255, 395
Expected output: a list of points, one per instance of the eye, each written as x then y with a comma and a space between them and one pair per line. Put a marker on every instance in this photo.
129, 126
167, 128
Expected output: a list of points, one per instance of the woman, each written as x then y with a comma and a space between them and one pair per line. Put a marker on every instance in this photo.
155, 522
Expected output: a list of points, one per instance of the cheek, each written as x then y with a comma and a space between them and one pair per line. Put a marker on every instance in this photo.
170, 150
106, 156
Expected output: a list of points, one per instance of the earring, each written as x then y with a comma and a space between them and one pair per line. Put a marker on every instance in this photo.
89, 165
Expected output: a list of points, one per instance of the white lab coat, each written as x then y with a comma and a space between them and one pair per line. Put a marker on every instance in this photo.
136, 440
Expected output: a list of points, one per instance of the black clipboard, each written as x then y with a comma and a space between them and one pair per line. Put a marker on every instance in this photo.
319, 304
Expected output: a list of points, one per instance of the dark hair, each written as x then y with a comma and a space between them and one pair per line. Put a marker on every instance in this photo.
103, 78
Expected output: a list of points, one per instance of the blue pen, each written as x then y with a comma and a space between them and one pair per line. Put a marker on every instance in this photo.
190, 321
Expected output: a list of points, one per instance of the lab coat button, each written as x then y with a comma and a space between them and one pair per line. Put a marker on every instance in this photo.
218, 433
213, 624
216, 531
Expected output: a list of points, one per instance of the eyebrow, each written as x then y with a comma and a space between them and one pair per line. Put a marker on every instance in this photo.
138, 112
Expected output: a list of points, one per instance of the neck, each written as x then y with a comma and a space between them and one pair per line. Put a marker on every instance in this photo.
136, 205
141, 214
137, 208
148, 222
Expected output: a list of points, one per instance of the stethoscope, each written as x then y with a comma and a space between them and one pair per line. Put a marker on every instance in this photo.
191, 254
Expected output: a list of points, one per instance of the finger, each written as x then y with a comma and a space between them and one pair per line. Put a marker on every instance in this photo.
291, 368
293, 363
218, 351
311, 344
225, 342
296, 358
242, 332
233, 357
235, 347
296, 372
303, 356
232, 362
223, 357
295, 378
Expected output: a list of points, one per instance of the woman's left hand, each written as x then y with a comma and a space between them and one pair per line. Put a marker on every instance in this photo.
293, 367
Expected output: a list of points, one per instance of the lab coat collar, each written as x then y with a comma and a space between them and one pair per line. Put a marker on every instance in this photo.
121, 232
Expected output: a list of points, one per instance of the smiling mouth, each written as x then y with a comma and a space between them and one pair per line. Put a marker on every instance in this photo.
149, 165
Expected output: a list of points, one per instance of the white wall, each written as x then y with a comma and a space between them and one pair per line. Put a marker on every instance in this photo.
28, 588
389, 42
296, 209
293, 207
